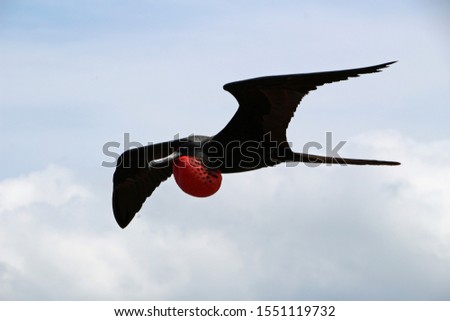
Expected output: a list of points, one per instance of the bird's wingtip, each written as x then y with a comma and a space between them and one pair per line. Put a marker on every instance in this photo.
387, 64
122, 215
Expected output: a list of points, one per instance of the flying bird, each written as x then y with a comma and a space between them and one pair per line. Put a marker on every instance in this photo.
254, 138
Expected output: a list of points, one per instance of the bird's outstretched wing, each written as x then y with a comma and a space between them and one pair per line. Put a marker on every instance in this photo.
134, 181
267, 104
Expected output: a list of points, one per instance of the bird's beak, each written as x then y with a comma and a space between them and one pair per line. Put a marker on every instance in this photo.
163, 162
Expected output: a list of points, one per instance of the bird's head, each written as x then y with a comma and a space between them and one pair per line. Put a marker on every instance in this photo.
194, 178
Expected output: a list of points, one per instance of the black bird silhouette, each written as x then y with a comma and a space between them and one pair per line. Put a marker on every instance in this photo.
254, 138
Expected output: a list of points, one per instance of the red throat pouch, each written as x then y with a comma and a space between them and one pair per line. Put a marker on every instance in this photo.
194, 179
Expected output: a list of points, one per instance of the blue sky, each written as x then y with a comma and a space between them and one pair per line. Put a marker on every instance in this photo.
78, 74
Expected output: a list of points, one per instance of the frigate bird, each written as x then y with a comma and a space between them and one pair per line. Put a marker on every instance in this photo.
254, 138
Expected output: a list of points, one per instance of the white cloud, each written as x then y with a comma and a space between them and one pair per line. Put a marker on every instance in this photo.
46, 256
51, 186
279, 233
421, 207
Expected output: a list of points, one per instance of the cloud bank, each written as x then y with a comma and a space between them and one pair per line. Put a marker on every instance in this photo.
302, 233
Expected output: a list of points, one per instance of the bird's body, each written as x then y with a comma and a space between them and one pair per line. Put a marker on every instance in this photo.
254, 138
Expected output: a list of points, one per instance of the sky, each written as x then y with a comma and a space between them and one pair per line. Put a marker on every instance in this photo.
76, 75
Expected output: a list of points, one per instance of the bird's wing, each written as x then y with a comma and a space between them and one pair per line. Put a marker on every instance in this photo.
267, 104
134, 181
